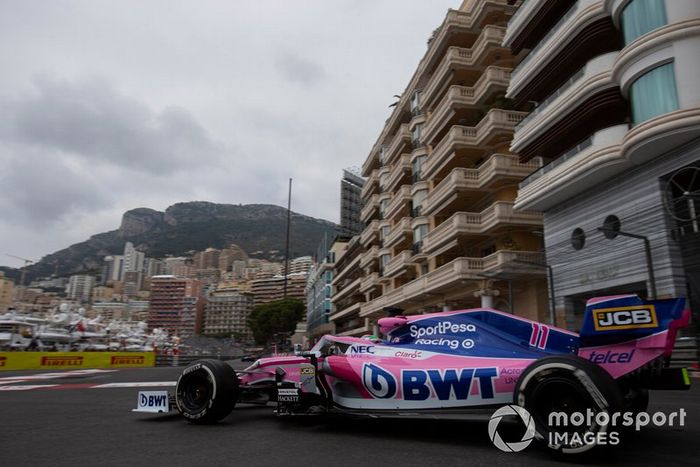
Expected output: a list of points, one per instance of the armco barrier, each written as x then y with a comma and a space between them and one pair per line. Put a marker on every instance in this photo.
74, 360
184, 360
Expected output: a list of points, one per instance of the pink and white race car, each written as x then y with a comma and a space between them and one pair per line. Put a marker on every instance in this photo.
460, 364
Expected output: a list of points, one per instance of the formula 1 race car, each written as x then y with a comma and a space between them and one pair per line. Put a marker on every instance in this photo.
458, 364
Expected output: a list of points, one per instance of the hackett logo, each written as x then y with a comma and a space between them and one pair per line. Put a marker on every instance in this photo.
62, 361
128, 360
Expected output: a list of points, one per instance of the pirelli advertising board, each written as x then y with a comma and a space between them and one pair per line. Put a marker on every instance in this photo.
74, 360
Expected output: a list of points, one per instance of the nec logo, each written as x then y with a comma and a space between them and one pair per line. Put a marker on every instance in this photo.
611, 319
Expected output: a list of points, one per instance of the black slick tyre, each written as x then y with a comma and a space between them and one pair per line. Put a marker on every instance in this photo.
569, 384
206, 391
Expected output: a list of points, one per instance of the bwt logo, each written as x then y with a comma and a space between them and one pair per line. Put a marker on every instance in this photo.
609, 319
61, 361
153, 401
124, 360
418, 385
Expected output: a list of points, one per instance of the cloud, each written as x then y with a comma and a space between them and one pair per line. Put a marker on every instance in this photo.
91, 120
216, 100
299, 70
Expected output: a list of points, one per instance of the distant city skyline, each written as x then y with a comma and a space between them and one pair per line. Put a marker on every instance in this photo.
105, 111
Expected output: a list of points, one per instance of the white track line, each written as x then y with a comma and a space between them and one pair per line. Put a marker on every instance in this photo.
27, 387
144, 384
55, 375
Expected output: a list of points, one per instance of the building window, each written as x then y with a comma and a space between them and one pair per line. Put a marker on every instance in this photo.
417, 201
578, 239
415, 103
654, 93
416, 167
641, 16
416, 136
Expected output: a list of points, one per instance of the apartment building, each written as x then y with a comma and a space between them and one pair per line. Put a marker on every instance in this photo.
270, 289
175, 305
441, 232
7, 287
617, 122
319, 289
351, 203
349, 284
227, 312
79, 287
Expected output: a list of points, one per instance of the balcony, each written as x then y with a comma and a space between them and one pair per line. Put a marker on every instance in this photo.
590, 162
398, 202
352, 310
581, 15
401, 140
370, 208
369, 282
496, 123
370, 234
355, 331
451, 277
347, 290
348, 270
399, 172
521, 18
371, 185
492, 80
400, 231
498, 170
446, 236
594, 77
486, 46
398, 264
369, 256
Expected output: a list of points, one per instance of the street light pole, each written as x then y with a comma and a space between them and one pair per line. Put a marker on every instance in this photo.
647, 251
286, 250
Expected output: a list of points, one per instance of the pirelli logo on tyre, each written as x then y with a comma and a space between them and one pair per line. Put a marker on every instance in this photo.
626, 317
128, 360
62, 361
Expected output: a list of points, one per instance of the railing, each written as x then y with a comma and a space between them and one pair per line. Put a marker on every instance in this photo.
184, 360
551, 98
556, 162
540, 45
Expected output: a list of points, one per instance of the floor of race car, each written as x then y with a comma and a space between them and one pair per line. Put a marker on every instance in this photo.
87, 418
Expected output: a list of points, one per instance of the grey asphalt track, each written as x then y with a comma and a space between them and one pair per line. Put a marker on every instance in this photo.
81, 426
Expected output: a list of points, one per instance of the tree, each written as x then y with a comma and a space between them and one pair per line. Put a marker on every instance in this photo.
279, 317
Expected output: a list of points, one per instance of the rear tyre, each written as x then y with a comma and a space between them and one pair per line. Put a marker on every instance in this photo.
206, 391
570, 384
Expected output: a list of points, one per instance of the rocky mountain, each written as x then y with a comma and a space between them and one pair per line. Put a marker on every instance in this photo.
258, 228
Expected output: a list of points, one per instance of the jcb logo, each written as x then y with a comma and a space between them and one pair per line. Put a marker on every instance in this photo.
612, 319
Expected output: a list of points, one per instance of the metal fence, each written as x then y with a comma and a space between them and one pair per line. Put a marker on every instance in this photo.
183, 360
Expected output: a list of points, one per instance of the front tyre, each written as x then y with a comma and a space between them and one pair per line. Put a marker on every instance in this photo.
206, 391
569, 384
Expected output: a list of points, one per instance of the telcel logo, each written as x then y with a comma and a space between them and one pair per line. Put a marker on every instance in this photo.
609, 319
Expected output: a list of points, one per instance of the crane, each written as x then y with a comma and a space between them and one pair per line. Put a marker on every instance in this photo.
27, 262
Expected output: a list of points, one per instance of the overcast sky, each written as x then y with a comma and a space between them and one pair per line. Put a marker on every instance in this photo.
110, 105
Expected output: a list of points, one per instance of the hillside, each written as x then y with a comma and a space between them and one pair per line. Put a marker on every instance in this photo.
191, 226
